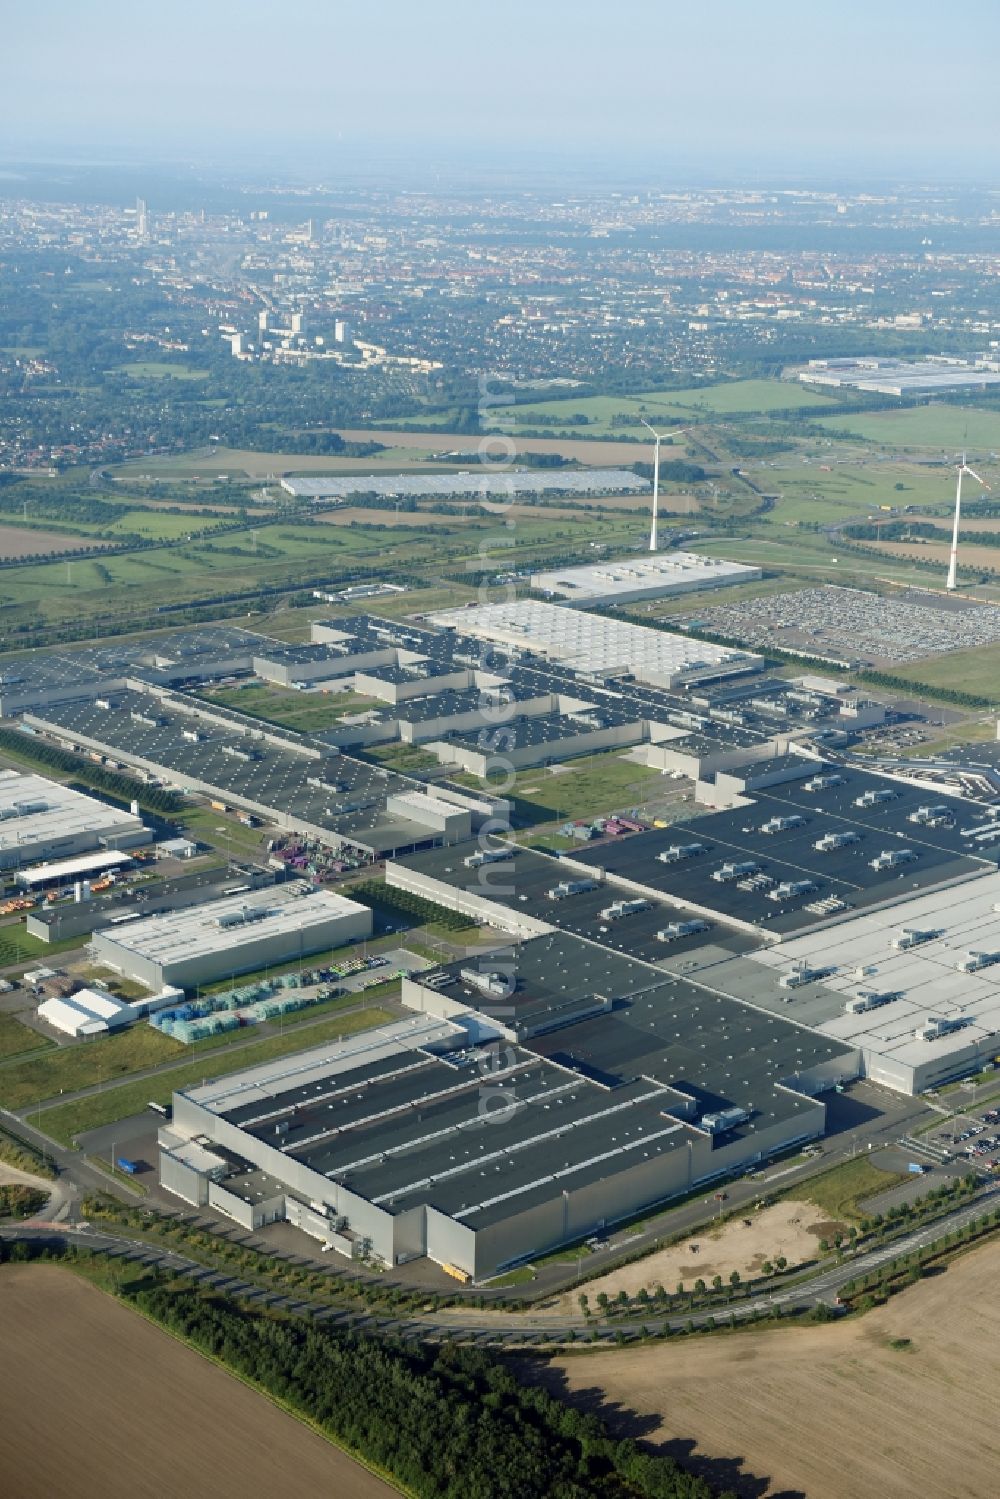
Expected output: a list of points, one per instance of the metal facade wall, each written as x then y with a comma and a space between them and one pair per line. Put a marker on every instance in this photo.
234, 1207
450, 1243
202, 968
183, 1180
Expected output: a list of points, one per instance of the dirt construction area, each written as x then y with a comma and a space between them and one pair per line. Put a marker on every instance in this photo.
789, 1229
848, 1411
97, 1401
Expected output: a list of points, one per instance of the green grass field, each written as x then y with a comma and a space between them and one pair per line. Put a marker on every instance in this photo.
161, 369
592, 786
65, 1069
306, 712
247, 462
19, 946
16, 1038
737, 397
203, 824
946, 428
64, 1121
157, 524
281, 556
979, 732
847, 491
406, 758
839, 1192
975, 671
802, 556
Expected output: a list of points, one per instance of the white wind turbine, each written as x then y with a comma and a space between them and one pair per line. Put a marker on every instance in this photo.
963, 468
659, 436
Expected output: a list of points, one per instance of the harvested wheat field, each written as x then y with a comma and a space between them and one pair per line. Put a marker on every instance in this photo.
789, 1229
830, 1412
23, 541
97, 1401
346, 515
602, 454
939, 552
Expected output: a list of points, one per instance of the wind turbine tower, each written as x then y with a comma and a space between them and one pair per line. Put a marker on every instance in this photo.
658, 438
963, 468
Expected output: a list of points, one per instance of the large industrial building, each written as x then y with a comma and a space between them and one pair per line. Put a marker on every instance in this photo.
483, 481
624, 581
449, 1137
901, 377
597, 646
915, 987
42, 819
239, 934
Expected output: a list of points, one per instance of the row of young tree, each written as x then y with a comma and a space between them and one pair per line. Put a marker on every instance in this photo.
447, 1422
114, 782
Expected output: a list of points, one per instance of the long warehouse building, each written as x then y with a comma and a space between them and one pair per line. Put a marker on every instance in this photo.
598, 646
42, 819
238, 934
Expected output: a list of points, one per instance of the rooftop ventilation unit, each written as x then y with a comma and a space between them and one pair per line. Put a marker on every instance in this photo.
831, 841
935, 1027
932, 817
973, 961
724, 1119
891, 858
731, 870
782, 824
245, 916
678, 929
571, 887
622, 908
821, 782
801, 973
679, 851
875, 798
500, 985
869, 999
912, 936
790, 889
487, 856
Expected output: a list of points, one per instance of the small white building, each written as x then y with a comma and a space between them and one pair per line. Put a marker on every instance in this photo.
88, 1012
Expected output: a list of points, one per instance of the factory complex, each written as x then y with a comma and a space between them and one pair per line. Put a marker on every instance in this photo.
657, 1001
592, 643
658, 1013
899, 377
446, 1137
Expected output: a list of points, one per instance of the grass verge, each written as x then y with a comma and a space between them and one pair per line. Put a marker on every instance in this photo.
63, 1122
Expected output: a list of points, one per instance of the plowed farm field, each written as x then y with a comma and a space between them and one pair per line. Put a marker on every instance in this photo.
97, 1401
897, 1403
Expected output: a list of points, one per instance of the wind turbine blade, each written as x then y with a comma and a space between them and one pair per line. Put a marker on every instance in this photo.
972, 471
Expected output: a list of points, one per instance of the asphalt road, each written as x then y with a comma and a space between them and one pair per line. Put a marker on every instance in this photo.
520, 1328
866, 1114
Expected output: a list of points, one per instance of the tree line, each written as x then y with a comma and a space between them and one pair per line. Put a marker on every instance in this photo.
115, 783
448, 1422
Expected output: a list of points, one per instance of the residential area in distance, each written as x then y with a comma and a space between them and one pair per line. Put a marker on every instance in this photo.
499, 756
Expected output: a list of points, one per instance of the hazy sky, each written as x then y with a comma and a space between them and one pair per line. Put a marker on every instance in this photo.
859, 84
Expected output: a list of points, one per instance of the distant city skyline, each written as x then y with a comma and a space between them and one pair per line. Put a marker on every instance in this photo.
898, 87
